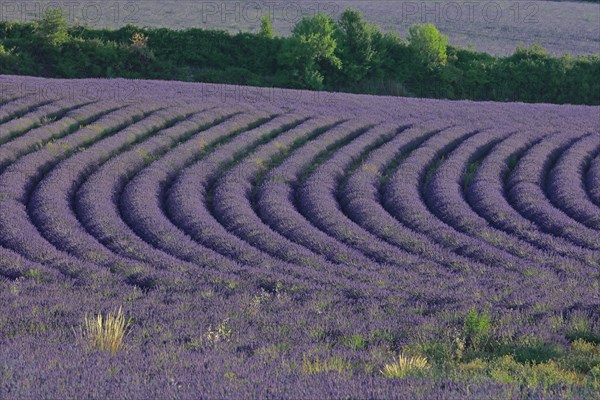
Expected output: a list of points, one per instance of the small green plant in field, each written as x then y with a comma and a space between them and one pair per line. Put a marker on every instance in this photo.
581, 346
221, 333
584, 356
106, 333
507, 370
34, 274
477, 328
405, 365
15, 286
354, 342
317, 365
470, 175
579, 328
594, 377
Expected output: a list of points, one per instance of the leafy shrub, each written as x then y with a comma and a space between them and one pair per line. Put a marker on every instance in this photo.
579, 328
583, 357
138, 49
594, 377
477, 328
7, 59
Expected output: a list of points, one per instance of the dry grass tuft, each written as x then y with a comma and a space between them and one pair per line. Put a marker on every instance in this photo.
404, 365
106, 333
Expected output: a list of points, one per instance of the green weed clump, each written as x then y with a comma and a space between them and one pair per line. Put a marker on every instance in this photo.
477, 328
323, 365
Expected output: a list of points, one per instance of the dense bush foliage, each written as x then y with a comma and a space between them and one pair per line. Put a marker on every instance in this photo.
347, 55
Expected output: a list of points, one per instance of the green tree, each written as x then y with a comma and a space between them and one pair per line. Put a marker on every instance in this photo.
52, 29
391, 54
355, 48
309, 51
317, 34
430, 45
266, 30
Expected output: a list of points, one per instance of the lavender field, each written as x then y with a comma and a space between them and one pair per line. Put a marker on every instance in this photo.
267, 243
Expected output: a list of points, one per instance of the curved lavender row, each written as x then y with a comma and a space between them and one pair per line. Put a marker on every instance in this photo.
233, 205
150, 223
208, 231
14, 266
525, 191
569, 193
186, 203
145, 213
240, 177
445, 197
97, 201
50, 202
360, 198
4, 100
38, 137
16, 183
316, 198
107, 224
39, 117
98, 210
593, 181
352, 278
232, 199
20, 106
486, 197
275, 207
11, 264
402, 198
